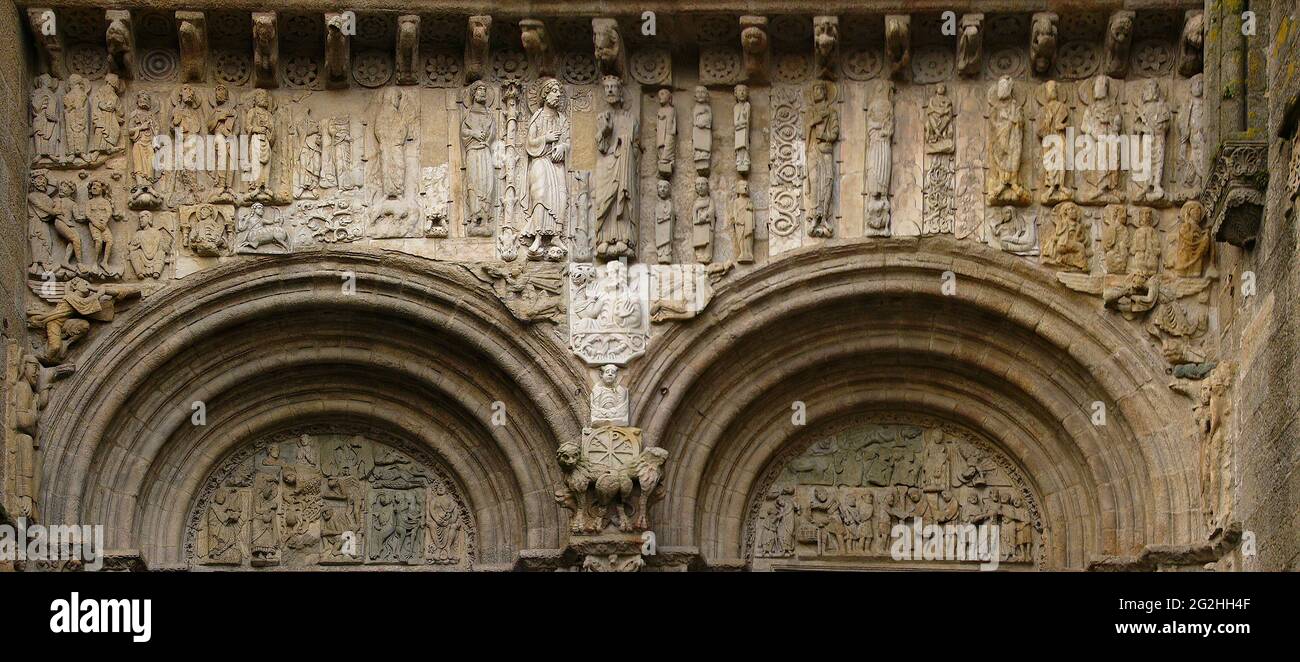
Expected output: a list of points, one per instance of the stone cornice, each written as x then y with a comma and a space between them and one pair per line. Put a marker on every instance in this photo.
636, 7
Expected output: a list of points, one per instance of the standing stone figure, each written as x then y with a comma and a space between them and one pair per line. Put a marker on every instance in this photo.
823, 133
1152, 119
221, 125
742, 224
1006, 127
340, 173
307, 184
666, 133
548, 151
1191, 138
880, 154
1053, 121
29, 398
187, 126
702, 130
106, 116
99, 213
702, 218
259, 124
393, 130
740, 120
616, 173
75, 103
1115, 239
478, 131
664, 220
45, 117
1102, 123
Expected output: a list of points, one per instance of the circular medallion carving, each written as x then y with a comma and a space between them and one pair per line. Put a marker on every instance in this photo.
579, 68
1078, 59
510, 66
720, 66
932, 64
301, 71
861, 64
158, 65
1006, 61
792, 68
441, 70
372, 68
1152, 58
232, 68
651, 66
88, 60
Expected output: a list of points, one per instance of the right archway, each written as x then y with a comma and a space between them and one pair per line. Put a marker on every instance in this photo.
861, 331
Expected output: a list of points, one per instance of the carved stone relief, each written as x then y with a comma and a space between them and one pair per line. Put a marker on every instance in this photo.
839, 495
609, 317
879, 163
940, 164
823, 135
328, 495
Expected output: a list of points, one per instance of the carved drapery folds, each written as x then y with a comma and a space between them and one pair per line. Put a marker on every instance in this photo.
840, 496
330, 496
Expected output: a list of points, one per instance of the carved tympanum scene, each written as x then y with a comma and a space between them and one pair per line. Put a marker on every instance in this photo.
839, 497
331, 498
602, 183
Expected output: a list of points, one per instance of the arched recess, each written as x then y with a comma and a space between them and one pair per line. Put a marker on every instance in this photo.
419, 351
857, 327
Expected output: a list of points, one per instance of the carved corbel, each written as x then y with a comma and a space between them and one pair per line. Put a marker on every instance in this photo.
898, 43
1119, 39
408, 49
1234, 191
192, 33
476, 47
610, 54
337, 49
532, 32
266, 49
826, 46
49, 41
1192, 44
120, 39
1042, 42
754, 47
970, 44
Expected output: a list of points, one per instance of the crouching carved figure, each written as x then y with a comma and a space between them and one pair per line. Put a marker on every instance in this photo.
609, 480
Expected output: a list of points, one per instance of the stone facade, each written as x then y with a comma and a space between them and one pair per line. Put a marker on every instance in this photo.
730, 288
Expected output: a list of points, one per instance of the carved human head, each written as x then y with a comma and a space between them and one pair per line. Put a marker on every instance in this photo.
663, 188
1193, 213
568, 454
742, 187
665, 96
261, 98
1146, 217
753, 39
551, 93
701, 94
143, 101
1121, 27
742, 93
702, 186
609, 374
114, 82
187, 94
258, 209
819, 91
478, 92
940, 89
79, 285
1100, 87
1004, 87
67, 189
40, 181
221, 93
1198, 85
613, 86
1151, 90
31, 369
1049, 90
146, 219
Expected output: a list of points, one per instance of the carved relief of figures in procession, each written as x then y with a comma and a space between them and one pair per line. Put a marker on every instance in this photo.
842, 495
329, 497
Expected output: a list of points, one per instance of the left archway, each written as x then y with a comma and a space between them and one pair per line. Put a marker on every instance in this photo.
420, 352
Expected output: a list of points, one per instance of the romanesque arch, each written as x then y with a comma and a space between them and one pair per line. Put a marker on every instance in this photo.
414, 354
859, 329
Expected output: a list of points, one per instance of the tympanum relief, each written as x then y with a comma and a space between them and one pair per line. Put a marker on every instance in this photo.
838, 497
326, 496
